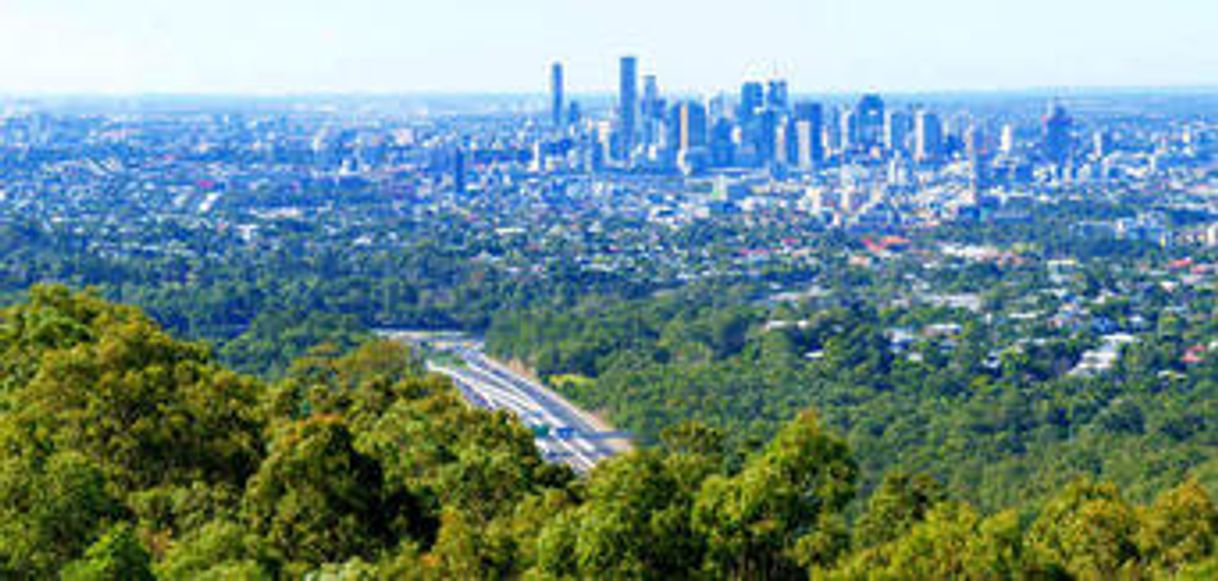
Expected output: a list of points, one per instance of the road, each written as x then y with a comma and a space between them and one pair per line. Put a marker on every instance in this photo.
565, 433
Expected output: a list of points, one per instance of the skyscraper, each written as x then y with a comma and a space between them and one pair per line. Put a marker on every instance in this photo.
652, 110
628, 104
1058, 141
928, 136
897, 127
688, 125
978, 157
556, 95
752, 98
848, 130
1101, 144
459, 171
808, 130
651, 106
722, 148
777, 95
1007, 142
870, 122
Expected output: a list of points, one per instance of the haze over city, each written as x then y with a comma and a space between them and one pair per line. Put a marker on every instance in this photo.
481, 46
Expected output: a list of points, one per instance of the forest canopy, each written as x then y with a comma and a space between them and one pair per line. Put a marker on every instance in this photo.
128, 454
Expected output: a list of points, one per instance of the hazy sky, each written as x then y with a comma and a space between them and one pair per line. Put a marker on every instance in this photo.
299, 46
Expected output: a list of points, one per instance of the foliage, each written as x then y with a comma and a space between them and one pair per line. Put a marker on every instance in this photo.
359, 464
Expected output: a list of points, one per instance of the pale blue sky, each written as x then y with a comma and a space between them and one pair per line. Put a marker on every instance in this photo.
301, 46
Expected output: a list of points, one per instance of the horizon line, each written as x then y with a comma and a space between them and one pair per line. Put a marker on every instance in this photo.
1197, 89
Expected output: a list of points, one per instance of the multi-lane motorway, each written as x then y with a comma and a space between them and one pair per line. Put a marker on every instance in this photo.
564, 432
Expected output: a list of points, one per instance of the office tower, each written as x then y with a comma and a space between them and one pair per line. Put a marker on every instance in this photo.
1006, 144
573, 113
1101, 144
928, 136
784, 140
776, 96
556, 95
848, 131
810, 116
604, 141
651, 106
722, 145
628, 105
718, 106
830, 135
652, 110
1057, 139
803, 144
687, 139
898, 125
870, 122
974, 141
688, 126
767, 136
974, 147
459, 171
752, 99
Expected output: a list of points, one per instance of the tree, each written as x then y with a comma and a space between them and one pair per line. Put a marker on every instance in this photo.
317, 500
901, 501
220, 549
1181, 527
51, 508
783, 500
938, 547
1086, 530
633, 522
116, 556
110, 384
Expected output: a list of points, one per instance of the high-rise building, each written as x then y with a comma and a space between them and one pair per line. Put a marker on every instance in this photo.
688, 126
1101, 144
752, 99
870, 122
1006, 145
652, 110
556, 95
804, 139
777, 95
1058, 142
898, 125
848, 131
975, 149
652, 106
808, 131
628, 104
928, 136
722, 146
459, 171
974, 141
573, 113
651, 91
768, 136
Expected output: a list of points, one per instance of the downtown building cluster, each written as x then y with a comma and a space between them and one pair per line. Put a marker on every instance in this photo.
862, 161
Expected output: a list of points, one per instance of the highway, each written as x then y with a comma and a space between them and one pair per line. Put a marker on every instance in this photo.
565, 433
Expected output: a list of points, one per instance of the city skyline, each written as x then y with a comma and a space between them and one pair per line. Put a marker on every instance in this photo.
368, 46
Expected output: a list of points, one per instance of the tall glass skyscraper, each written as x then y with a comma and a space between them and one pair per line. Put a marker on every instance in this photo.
628, 104
777, 95
556, 95
870, 120
928, 136
1058, 140
752, 98
808, 127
